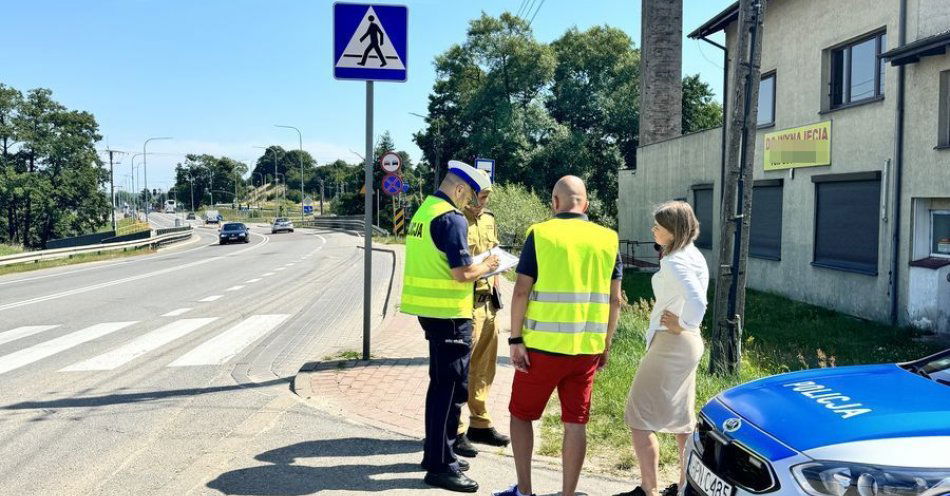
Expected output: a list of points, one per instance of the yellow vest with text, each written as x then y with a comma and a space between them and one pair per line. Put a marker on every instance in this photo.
569, 303
428, 288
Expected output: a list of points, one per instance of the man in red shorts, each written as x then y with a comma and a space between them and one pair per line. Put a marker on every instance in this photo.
564, 313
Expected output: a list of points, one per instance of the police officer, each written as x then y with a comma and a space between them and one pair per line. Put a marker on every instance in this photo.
438, 288
482, 236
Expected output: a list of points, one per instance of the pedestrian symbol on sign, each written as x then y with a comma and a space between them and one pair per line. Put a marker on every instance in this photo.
370, 47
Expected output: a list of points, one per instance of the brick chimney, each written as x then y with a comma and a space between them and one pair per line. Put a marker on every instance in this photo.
661, 68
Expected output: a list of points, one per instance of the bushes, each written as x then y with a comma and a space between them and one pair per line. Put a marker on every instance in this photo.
516, 208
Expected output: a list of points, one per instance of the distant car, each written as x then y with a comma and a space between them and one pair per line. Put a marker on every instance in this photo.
190, 216
212, 217
282, 224
234, 232
842, 431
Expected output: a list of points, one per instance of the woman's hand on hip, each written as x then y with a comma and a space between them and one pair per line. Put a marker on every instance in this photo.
671, 321
519, 357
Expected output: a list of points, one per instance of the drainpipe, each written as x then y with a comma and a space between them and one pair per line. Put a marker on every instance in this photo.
725, 111
898, 169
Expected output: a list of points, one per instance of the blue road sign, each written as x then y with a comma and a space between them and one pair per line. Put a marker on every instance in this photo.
308, 209
405, 187
392, 184
487, 165
370, 42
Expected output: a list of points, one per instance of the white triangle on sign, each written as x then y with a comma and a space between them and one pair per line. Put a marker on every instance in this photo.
368, 50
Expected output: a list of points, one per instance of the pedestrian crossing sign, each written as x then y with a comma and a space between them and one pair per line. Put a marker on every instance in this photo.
370, 42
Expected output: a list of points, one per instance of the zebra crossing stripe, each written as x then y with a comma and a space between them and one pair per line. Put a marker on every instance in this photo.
228, 344
40, 351
140, 346
22, 332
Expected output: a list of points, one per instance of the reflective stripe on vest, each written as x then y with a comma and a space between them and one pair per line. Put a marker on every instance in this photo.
569, 305
428, 289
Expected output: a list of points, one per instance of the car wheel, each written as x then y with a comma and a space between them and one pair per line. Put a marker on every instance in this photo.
291, 230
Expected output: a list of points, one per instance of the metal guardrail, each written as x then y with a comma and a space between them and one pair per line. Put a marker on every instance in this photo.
36, 256
341, 223
639, 254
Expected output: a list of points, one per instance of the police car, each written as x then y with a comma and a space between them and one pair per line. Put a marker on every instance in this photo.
875, 430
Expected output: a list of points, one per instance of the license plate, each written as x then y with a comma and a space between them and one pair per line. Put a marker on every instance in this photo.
709, 483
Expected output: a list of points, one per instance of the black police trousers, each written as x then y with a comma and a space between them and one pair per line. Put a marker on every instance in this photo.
450, 347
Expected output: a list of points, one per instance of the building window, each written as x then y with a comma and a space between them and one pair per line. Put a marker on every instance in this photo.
703, 206
765, 234
766, 112
847, 209
857, 71
940, 233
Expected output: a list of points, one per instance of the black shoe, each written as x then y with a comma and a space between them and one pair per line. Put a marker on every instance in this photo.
671, 490
463, 465
452, 481
488, 436
463, 447
638, 491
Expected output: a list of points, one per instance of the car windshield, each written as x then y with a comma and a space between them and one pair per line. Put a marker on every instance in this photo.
233, 227
936, 368
280, 220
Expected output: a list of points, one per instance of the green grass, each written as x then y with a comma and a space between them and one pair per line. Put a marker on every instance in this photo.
780, 335
389, 240
130, 226
9, 249
75, 259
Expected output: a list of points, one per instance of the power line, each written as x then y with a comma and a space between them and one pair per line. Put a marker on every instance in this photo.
524, 15
536, 13
521, 7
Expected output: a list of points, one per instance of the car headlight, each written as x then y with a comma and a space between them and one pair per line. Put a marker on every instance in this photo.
241, 235
224, 235
829, 478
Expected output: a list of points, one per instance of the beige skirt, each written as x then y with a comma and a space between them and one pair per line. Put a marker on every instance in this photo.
663, 394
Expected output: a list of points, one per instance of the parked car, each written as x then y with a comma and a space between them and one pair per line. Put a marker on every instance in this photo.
234, 232
190, 216
212, 217
281, 224
842, 431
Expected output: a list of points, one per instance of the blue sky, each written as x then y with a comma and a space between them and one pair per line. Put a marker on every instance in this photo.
216, 75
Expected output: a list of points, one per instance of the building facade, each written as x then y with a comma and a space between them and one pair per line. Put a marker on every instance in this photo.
851, 200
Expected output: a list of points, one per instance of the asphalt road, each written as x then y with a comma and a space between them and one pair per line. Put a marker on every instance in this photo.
129, 376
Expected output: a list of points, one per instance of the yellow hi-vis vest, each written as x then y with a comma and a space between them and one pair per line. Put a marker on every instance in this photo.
570, 302
428, 289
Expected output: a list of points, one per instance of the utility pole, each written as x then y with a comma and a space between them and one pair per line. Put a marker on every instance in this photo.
736, 209
112, 184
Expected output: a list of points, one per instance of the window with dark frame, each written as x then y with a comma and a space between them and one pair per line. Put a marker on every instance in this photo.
766, 112
765, 233
703, 207
857, 71
943, 121
847, 222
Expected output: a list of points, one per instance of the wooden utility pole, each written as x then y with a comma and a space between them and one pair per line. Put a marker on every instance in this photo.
736, 209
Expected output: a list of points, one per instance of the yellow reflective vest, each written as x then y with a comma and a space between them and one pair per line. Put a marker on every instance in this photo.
569, 303
428, 288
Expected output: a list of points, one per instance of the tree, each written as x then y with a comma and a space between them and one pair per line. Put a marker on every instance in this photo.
699, 110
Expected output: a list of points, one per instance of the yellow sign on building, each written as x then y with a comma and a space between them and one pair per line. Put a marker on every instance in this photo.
806, 146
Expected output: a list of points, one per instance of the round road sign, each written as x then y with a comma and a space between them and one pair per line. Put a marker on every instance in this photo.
391, 162
392, 184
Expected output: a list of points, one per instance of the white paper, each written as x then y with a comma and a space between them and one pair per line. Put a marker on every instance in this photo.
506, 260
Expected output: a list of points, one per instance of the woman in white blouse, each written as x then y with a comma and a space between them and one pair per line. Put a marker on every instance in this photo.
663, 395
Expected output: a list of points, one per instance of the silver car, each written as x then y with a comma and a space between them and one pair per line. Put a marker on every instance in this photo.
281, 224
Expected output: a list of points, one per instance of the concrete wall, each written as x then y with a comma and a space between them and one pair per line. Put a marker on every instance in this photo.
798, 34
661, 68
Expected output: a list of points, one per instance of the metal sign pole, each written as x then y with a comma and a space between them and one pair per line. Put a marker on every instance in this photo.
368, 220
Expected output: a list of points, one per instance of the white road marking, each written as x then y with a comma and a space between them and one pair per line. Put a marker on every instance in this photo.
146, 275
40, 351
267, 274
211, 298
140, 346
176, 313
249, 281
235, 288
22, 332
226, 345
278, 269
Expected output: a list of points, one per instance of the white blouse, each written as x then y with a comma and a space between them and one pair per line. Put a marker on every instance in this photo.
680, 286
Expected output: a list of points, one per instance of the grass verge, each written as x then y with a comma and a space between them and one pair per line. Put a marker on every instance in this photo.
9, 249
780, 336
75, 259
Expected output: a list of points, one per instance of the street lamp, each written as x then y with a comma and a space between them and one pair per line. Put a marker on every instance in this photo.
300, 142
438, 150
145, 169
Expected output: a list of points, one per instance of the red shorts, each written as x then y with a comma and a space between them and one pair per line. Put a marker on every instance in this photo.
573, 376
